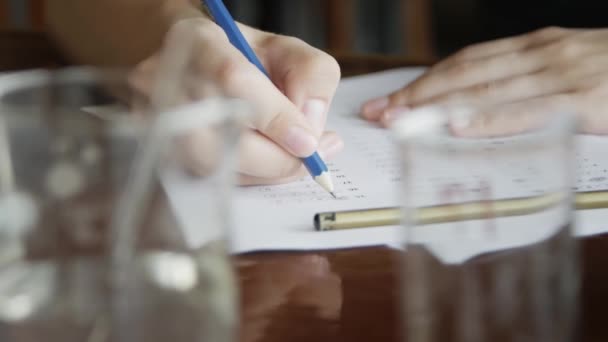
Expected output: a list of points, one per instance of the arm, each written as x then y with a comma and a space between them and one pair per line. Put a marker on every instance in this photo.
115, 32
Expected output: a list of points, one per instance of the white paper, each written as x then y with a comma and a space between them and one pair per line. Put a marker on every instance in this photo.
366, 175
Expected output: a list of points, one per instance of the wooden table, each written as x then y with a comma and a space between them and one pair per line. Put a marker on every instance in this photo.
353, 295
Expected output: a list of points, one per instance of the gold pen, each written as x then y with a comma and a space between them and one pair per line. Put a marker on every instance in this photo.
365, 218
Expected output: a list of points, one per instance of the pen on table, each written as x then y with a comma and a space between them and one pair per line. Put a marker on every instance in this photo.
379, 217
218, 12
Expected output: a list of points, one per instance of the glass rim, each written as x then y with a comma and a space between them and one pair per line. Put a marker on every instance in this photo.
428, 126
22, 79
168, 117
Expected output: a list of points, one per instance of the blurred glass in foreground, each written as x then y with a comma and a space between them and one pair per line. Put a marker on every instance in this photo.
90, 250
499, 261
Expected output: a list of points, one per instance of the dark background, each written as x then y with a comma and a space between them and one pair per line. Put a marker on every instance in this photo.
454, 23
395, 27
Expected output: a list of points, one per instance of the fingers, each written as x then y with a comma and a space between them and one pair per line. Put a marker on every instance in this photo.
301, 70
506, 45
260, 160
389, 116
514, 118
307, 76
467, 74
373, 109
478, 66
505, 90
143, 75
594, 120
290, 60
246, 180
277, 118
288, 126
315, 111
516, 82
590, 103
585, 99
263, 162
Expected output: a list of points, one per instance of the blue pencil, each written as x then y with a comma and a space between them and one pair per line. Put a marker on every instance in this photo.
216, 8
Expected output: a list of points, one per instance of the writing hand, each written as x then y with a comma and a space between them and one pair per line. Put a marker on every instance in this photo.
291, 107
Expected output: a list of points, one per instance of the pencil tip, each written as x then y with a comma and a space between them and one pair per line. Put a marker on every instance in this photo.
324, 180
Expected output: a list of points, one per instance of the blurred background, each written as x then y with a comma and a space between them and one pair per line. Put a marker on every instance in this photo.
414, 29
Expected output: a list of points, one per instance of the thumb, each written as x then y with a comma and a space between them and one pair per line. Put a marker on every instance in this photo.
277, 117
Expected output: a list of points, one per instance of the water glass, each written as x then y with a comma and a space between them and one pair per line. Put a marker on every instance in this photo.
91, 248
490, 253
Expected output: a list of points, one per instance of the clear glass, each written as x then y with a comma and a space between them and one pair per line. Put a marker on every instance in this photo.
490, 253
90, 248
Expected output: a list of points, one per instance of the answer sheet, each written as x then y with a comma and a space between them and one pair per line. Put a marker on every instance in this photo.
366, 175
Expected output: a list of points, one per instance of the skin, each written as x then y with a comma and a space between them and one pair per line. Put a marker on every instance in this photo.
513, 83
291, 108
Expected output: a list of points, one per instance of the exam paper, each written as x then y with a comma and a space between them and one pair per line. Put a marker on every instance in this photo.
366, 175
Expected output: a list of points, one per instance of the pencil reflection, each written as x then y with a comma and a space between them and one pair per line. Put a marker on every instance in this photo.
275, 291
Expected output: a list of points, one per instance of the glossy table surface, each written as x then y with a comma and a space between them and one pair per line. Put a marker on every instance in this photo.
353, 295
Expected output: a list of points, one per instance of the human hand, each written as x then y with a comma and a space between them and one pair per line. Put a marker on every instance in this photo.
514, 82
291, 108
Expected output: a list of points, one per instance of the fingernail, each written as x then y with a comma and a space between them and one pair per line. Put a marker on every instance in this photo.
314, 110
300, 141
392, 114
460, 122
375, 105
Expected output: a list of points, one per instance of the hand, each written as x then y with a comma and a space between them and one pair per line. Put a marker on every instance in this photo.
291, 108
513, 82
